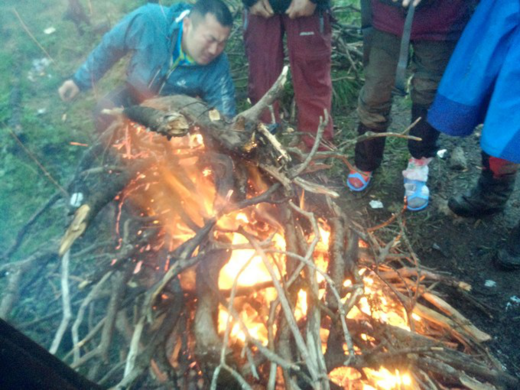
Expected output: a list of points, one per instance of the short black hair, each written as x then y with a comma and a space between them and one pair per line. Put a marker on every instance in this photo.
215, 7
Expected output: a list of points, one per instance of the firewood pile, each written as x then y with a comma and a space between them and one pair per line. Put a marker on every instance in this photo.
210, 255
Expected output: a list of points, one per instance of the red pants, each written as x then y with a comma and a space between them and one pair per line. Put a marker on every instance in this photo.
309, 48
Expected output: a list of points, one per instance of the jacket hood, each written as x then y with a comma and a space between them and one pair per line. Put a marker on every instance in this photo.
176, 14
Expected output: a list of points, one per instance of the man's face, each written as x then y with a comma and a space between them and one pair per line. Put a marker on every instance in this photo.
204, 38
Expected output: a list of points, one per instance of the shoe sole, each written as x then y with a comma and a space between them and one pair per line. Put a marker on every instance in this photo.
463, 212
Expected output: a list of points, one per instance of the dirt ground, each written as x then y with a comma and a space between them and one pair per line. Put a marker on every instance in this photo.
462, 247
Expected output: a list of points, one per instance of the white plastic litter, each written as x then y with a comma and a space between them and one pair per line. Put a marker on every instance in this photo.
376, 204
76, 199
49, 30
38, 69
442, 153
490, 283
514, 303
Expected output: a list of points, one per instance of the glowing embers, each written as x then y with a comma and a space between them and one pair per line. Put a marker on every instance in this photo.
176, 193
253, 316
179, 196
245, 266
377, 304
383, 379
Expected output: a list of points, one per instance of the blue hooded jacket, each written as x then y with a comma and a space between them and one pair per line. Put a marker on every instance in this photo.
150, 34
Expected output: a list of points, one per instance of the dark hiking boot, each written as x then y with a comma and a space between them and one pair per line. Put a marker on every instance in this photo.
508, 258
488, 197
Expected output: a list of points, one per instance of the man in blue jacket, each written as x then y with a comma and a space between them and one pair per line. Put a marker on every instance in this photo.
176, 50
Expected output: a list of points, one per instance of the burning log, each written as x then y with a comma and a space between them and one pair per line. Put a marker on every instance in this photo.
169, 125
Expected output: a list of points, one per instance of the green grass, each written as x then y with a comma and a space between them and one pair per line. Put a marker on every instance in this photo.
47, 136
24, 187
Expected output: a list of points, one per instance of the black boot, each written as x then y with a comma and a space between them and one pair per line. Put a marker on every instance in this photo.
488, 197
491, 193
508, 258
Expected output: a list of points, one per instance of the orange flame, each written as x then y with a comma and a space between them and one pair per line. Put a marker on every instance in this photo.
183, 198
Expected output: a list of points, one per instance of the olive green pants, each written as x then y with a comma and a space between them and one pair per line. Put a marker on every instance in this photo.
428, 62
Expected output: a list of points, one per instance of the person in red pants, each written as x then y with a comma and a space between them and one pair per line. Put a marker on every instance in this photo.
306, 24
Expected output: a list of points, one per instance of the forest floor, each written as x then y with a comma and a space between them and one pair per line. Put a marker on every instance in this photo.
464, 248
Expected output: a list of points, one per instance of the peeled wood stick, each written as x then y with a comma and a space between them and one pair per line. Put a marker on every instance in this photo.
253, 113
455, 317
67, 312
424, 274
450, 325
319, 133
134, 346
315, 188
473, 384
274, 141
278, 175
84, 341
426, 377
458, 318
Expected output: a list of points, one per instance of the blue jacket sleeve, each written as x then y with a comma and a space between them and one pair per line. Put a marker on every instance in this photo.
125, 37
220, 92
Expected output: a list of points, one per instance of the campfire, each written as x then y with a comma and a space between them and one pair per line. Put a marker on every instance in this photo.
234, 267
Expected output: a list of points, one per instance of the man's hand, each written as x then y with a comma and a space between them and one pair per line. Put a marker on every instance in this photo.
262, 8
406, 3
299, 8
68, 91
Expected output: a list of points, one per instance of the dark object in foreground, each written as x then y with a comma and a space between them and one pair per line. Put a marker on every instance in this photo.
26, 365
